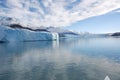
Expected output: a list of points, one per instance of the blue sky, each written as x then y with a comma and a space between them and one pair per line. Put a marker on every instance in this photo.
80, 15
107, 23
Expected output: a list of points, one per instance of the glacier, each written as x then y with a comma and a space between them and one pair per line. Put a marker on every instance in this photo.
12, 30
63, 33
8, 34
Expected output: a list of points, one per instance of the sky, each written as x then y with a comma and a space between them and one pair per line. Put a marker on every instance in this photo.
107, 23
79, 15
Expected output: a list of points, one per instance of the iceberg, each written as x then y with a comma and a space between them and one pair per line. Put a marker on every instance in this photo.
107, 78
8, 34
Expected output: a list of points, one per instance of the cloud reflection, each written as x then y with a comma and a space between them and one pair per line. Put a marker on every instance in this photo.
64, 64
35, 62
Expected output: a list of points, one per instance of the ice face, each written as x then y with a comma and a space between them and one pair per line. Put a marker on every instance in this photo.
10, 34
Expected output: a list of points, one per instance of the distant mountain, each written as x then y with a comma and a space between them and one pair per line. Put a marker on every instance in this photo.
116, 34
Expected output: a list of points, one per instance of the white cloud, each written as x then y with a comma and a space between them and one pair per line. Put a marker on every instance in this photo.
58, 13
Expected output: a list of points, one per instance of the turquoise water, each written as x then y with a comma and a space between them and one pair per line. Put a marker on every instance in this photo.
67, 59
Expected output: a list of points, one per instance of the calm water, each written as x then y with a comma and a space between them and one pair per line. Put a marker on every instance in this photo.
67, 59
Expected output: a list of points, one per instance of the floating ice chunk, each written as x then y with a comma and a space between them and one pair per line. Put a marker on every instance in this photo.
107, 78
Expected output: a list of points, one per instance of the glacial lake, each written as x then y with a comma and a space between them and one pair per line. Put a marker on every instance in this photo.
67, 59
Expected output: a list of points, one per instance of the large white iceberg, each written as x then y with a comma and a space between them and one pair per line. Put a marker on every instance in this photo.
8, 34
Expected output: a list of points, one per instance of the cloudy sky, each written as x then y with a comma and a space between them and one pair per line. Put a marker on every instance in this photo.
80, 15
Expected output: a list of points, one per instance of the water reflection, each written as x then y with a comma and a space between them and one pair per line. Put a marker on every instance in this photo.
65, 60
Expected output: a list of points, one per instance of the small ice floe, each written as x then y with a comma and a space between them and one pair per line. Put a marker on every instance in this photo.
107, 78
